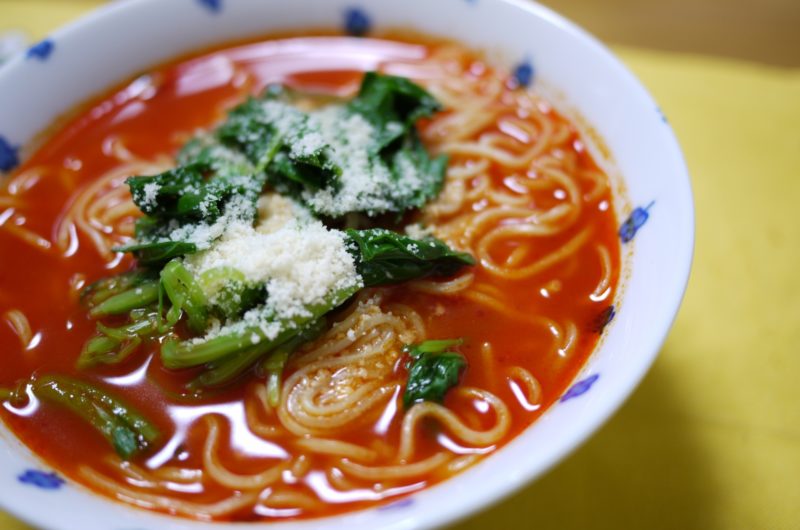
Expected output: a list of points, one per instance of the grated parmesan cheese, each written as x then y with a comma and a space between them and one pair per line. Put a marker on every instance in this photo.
150, 194
348, 140
237, 211
298, 259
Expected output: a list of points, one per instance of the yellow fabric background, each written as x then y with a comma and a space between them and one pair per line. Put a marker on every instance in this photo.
711, 439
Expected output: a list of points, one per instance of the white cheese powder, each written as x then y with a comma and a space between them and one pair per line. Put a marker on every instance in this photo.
348, 140
300, 261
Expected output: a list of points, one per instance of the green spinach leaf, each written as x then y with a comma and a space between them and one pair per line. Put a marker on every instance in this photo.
392, 105
432, 371
189, 199
330, 180
384, 257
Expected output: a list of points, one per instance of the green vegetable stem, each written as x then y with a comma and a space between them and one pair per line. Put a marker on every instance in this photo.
127, 430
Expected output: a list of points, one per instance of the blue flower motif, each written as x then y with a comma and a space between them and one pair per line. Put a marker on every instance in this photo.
356, 22
402, 503
9, 158
215, 6
580, 388
605, 317
523, 74
41, 479
632, 225
41, 50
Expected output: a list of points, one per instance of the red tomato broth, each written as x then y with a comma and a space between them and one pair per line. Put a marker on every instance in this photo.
155, 115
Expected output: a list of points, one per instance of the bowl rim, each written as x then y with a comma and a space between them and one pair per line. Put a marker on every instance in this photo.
613, 398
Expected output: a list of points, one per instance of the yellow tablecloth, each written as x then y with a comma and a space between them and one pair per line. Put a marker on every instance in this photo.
711, 439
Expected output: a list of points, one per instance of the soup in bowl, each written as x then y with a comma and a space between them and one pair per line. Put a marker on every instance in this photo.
325, 261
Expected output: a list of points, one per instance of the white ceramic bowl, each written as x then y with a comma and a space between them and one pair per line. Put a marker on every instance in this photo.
588, 84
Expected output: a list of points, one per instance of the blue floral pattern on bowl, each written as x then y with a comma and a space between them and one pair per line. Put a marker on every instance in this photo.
41, 479
603, 319
356, 22
579, 388
522, 75
215, 6
9, 155
634, 222
402, 503
41, 50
